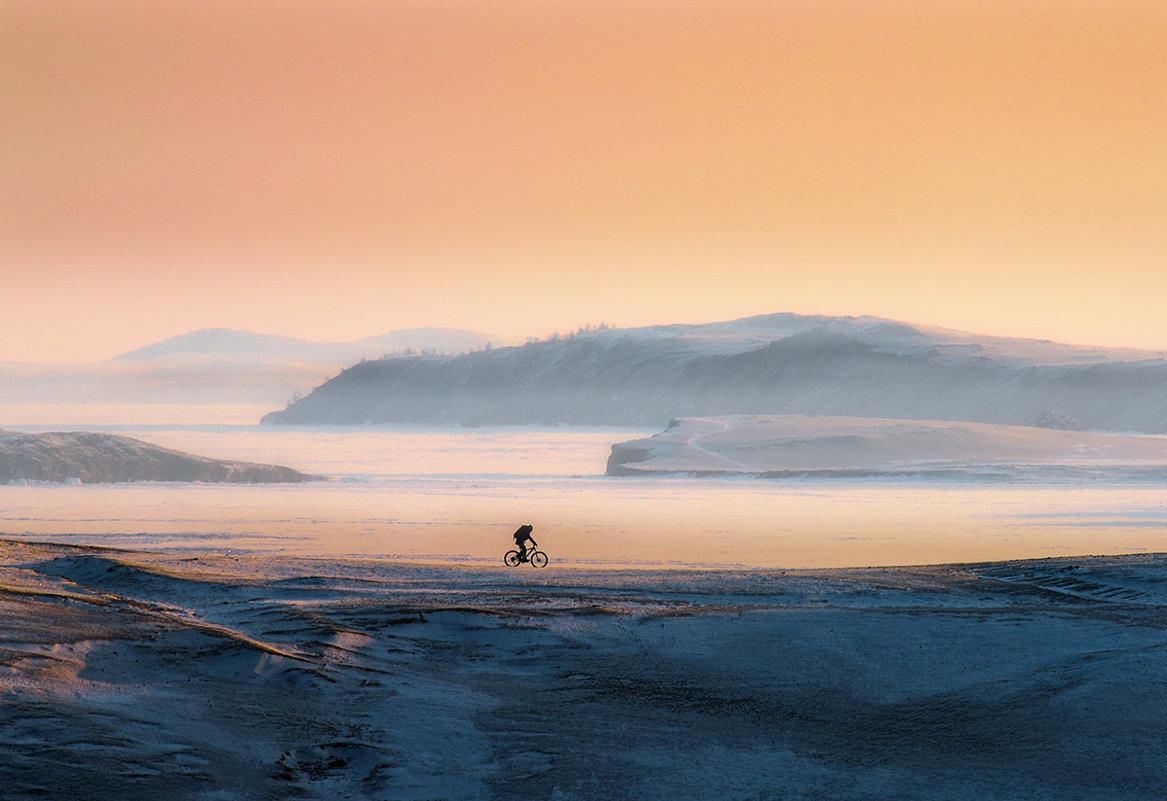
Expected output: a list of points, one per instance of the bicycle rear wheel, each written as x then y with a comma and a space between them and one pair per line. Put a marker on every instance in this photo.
539, 559
512, 558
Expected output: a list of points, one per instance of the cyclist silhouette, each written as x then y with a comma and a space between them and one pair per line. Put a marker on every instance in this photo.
522, 537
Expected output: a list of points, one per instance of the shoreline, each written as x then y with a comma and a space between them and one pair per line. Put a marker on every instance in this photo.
476, 565
467, 565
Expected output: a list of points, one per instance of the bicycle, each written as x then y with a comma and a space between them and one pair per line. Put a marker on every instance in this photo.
535, 558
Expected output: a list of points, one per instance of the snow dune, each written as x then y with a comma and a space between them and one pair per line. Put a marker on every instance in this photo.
783, 445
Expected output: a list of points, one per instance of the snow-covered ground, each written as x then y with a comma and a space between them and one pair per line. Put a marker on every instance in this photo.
778, 445
132, 675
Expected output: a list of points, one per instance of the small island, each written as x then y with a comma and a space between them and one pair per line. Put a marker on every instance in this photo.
94, 458
821, 446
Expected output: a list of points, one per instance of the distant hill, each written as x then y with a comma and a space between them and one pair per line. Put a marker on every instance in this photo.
774, 364
233, 344
218, 366
106, 458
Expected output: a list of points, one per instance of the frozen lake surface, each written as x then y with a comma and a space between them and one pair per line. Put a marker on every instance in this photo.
455, 495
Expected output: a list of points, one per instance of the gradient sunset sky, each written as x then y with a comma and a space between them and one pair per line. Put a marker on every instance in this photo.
337, 169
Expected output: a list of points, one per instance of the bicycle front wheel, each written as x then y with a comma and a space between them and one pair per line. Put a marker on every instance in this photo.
512, 558
539, 559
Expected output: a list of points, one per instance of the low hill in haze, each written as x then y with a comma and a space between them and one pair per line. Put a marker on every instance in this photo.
248, 345
217, 366
774, 364
107, 458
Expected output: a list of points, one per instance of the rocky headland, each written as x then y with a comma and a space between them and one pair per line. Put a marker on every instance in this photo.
96, 458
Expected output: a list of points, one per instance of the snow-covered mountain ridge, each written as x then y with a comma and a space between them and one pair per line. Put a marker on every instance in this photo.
774, 364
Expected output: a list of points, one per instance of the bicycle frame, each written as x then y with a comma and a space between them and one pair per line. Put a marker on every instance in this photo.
535, 558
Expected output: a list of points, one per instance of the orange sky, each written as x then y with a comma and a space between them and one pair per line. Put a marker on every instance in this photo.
337, 169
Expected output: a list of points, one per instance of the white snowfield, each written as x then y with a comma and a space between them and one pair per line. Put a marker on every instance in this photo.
782, 445
128, 676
